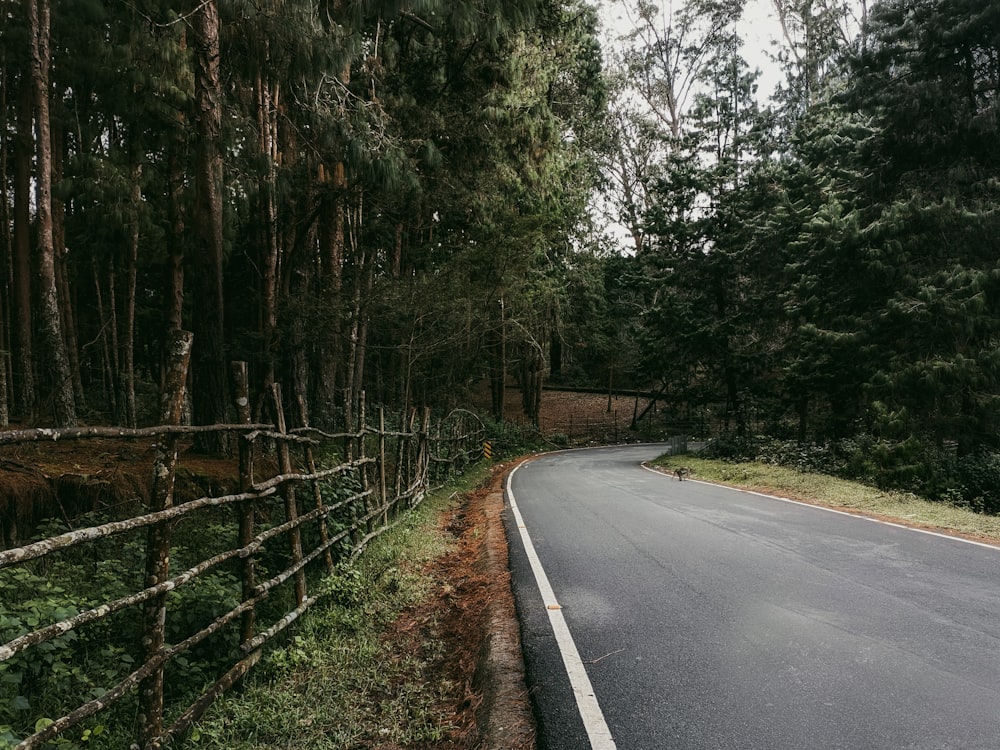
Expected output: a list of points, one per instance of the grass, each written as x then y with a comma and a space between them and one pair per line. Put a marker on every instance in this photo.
338, 682
840, 493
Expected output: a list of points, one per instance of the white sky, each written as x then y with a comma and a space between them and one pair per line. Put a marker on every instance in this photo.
758, 27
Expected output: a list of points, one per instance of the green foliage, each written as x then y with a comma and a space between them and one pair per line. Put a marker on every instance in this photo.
510, 440
41, 682
978, 486
909, 465
337, 681
846, 290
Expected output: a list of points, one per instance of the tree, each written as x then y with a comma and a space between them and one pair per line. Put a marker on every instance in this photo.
371, 201
50, 317
209, 356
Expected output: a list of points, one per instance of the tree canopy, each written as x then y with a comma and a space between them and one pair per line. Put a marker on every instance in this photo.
824, 266
399, 199
340, 193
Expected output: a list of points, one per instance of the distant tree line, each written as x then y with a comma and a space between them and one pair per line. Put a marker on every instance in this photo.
348, 195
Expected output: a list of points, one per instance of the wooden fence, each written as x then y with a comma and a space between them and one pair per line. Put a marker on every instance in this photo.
290, 509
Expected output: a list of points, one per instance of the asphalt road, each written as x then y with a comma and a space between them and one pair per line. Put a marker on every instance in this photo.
707, 618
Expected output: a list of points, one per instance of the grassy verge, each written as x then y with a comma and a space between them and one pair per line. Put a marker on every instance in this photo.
340, 681
840, 493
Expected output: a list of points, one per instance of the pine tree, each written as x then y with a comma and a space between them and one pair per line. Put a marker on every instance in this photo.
50, 316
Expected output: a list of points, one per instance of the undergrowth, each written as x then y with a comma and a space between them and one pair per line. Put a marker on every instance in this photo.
939, 473
339, 682
334, 650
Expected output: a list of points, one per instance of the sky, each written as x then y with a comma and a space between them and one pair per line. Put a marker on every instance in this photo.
758, 26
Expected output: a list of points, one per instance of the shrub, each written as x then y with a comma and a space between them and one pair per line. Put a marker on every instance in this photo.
979, 481
732, 447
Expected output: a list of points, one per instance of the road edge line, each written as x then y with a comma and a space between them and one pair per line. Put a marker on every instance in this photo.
860, 514
586, 702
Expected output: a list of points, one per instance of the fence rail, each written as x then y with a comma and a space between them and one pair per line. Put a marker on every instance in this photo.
379, 474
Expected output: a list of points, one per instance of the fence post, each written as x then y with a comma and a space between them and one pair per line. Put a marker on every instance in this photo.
438, 471
324, 533
158, 539
424, 449
288, 492
399, 470
412, 442
348, 426
363, 469
383, 500
241, 387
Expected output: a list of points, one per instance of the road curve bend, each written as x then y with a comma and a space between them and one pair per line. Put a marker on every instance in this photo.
705, 618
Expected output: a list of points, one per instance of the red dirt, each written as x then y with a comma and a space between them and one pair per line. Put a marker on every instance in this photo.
473, 597
66, 479
576, 415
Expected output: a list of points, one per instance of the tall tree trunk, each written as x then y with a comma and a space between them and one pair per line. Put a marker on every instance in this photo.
210, 382
24, 356
62, 268
64, 405
175, 262
332, 238
555, 353
350, 387
107, 371
114, 369
267, 123
498, 369
361, 355
6, 250
126, 362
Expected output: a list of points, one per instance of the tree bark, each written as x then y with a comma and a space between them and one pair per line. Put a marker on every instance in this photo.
64, 404
114, 351
175, 216
62, 268
7, 247
107, 374
126, 375
332, 239
210, 382
22, 314
267, 124
353, 339
498, 370
158, 539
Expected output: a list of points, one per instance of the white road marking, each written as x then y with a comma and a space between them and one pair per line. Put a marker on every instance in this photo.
583, 691
859, 515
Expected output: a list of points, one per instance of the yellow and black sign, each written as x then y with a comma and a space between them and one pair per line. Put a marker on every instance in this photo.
488, 450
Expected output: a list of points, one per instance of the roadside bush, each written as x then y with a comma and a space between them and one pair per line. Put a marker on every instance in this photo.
790, 453
75, 665
979, 482
510, 440
908, 465
732, 447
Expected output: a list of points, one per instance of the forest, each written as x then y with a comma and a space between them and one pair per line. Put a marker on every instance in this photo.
413, 200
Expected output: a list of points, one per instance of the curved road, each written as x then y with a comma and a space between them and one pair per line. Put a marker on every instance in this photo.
711, 619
